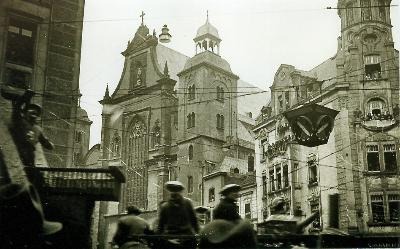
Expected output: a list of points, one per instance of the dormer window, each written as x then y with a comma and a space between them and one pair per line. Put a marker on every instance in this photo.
372, 67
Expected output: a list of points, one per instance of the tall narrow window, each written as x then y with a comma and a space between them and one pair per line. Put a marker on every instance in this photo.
78, 136
211, 195
220, 93
271, 180
394, 208
349, 14
373, 157
189, 121
312, 169
250, 163
264, 184
389, 155
190, 184
382, 10
278, 178
193, 119
192, 92
287, 100
377, 208
220, 121
285, 176
366, 10
247, 211
190, 152
280, 102
295, 175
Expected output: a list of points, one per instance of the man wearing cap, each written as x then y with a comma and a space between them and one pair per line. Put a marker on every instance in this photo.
177, 217
25, 129
130, 227
226, 208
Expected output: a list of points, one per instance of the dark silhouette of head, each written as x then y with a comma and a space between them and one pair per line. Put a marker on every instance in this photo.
133, 210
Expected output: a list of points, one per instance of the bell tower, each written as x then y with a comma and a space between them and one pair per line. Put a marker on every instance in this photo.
207, 112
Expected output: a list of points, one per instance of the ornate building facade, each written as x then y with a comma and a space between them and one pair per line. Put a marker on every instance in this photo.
359, 166
172, 116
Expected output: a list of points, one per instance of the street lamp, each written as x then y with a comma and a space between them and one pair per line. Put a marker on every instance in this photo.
311, 123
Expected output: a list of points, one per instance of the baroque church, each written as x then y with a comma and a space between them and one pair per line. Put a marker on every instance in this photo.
355, 175
175, 117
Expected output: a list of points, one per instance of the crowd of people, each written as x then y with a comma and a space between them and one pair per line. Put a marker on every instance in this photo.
178, 225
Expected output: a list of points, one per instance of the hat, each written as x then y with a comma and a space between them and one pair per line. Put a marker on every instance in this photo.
34, 107
225, 234
21, 212
229, 189
174, 186
134, 210
201, 209
277, 202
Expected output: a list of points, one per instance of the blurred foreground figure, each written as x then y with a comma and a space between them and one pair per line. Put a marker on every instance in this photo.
227, 208
177, 217
24, 127
22, 222
130, 228
224, 234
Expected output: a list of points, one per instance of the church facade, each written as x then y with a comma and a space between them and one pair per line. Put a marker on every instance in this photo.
174, 117
354, 175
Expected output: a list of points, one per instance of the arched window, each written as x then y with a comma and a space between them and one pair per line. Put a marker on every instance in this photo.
220, 93
193, 119
190, 152
250, 163
135, 157
192, 92
211, 195
220, 121
376, 107
190, 184
234, 170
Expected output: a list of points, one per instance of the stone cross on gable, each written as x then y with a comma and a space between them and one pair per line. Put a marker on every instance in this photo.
142, 16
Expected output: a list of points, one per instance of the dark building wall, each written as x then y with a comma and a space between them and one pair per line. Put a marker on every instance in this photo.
54, 31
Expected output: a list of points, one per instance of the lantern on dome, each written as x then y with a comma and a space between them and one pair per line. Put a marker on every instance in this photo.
165, 36
311, 124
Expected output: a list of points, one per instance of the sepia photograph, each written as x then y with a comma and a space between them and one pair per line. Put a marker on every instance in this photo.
187, 124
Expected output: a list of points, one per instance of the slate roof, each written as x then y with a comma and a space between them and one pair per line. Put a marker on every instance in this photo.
176, 61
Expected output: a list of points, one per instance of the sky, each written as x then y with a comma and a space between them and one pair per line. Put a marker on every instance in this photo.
257, 37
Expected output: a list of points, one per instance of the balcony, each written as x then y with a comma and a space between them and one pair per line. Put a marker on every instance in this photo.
379, 122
